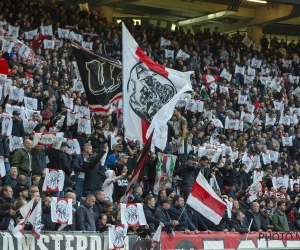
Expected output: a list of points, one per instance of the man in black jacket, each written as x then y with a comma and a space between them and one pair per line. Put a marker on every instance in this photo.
189, 172
99, 204
59, 159
85, 215
161, 214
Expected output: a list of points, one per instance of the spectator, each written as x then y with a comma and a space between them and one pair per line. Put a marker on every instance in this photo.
240, 223
85, 216
99, 204
254, 215
279, 219
102, 224
22, 160
161, 214
10, 179
7, 195
108, 185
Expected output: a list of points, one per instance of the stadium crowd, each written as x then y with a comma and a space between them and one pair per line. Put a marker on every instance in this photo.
96, 187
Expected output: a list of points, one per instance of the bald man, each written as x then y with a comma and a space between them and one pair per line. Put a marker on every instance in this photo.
254, 214
22, 160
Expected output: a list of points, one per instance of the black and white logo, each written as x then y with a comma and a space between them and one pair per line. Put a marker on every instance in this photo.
148, 91
103, 78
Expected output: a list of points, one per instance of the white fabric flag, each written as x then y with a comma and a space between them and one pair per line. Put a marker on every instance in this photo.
16, 94
169, 53
54, 180
63, 33
204, 199
280, 181
61, 211
156, 238
29, 125
82, 111
247, 42
74, 147
145, 102
25, 211
78, 86
71, 118
2, 168
226, 75
164, 42
35, 220
242, 99
255, 63
30, 34
13, 31
7, 124
48, 139
49, 44
5, 45
84, 126
132, 214
255, 188
31, 103
116, 236
239, 70
68, 102
15, 142
287, 141
47, 30
87, 45
182, 54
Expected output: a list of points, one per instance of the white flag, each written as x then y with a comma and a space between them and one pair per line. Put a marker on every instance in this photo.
132, 214
74, 147
7, 124
156, 238
116, 236
29, 125
145, 102
25, 211
47, 30
68, 102
15, 142
54, 180
35, 220
61, 211
30, 34
49, 44
13, 31
169, 53
78, 86
164, 42
16, 94
84, 126
31, 103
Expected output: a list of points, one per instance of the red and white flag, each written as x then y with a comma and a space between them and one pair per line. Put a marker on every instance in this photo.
35, 219
132, 214
61, 211
54, 180
68, 102
150, 91
25, 211
138, 171
29, 125
204, 199
48, 139
116, 236
71, 118
84, 126
255, 188
74, 147
15, 142
156, 238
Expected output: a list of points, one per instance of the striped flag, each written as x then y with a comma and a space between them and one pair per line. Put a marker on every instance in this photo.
164, 172
150, 91
204, 199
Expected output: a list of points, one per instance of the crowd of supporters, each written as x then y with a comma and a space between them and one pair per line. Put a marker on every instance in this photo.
96, 186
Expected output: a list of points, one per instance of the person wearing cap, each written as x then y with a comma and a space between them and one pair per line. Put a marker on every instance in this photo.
17, 127
22, 193
59, 159
170, 193
161, 214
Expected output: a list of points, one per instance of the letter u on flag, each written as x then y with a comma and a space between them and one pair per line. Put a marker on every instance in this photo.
204, 199
150, 91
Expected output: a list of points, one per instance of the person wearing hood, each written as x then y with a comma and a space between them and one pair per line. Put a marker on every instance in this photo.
85, 216
108, 185
22, 160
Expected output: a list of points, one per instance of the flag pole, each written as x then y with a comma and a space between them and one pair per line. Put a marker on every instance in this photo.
180, 216
249, 228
